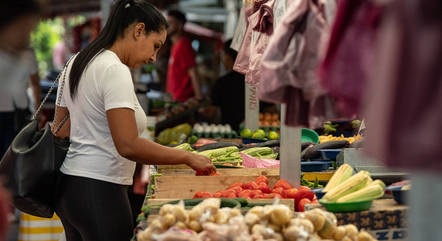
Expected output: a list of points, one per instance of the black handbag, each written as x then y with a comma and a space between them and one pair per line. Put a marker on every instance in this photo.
31, 165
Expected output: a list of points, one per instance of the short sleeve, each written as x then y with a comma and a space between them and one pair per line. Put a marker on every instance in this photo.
118, 88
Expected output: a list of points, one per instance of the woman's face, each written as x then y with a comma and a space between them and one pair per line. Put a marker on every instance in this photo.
148, 46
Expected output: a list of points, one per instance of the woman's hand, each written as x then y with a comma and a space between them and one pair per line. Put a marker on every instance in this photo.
201, 164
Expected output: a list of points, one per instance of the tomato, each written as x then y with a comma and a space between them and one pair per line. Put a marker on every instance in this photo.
283, 183
264, 187
202, 195
269, 195
236, 189
290, 193
250, 185
236, 184
217, 194
304, 193
228, 194
301, 204
278, 190
262, 179
256, 193
246, 193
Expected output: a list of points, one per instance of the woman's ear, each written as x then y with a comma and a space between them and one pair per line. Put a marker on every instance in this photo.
139, 29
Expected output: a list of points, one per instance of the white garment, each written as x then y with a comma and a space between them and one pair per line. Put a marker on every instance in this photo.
15, 74
105, 84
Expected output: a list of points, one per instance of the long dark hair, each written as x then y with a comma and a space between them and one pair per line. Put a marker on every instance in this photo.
122, 14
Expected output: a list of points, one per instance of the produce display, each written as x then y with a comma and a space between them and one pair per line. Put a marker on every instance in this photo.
230, 153
209, 221
260, 189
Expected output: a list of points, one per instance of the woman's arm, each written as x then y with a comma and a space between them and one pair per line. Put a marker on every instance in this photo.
64, 131
129, 145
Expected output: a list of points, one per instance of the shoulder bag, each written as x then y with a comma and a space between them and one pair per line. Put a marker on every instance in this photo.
31, 164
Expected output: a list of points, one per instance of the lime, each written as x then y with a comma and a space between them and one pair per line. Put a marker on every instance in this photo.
246, 133
259, 134
273, 135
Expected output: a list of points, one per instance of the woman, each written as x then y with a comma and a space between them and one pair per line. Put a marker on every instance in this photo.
105, 124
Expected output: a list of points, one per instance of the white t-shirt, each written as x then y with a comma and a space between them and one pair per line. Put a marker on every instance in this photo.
15, 75
105, 84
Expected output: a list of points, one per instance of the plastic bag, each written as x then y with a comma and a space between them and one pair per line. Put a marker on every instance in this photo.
253, 162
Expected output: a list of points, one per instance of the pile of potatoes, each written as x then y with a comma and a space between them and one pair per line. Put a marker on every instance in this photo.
208, 222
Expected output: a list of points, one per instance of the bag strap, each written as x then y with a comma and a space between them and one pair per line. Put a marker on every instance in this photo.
56, 80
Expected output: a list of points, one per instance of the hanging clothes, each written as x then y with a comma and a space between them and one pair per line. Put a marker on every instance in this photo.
259, 30
262, 28
349, 57
289, 65
404, 96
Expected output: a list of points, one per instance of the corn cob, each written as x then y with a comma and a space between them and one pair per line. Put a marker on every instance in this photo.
219, 151
370, 192
379, 182
352, 184
342, 173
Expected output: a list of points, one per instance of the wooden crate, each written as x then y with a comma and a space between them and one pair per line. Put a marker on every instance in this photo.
182, 170
167, 186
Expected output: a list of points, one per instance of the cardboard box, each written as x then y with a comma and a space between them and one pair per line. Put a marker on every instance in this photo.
385, 220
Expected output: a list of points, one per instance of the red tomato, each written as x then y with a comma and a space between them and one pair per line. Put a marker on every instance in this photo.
250, 185
236, 189
228, 194
202, 195
283, 183
290, 193
264, 187
246, 193
301, 204
278, 190
256, 193
236, 184
217, 194
262, 179
304, 193
269, 195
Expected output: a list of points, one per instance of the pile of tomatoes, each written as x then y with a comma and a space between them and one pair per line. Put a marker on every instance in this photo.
260, 189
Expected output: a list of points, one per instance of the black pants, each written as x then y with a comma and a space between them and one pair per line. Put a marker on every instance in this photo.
93, 210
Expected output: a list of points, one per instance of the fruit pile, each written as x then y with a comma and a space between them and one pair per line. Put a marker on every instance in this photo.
259, 134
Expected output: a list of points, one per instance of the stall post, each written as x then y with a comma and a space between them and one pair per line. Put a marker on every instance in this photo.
290, 152
251, 107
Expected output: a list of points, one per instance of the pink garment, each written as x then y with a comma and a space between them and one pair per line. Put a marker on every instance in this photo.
289, 66
241, 64
404, 97
349, 57
262, 20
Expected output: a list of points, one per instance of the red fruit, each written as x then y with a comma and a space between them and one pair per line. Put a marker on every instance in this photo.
290, 193
202, 195
262, 179
283, 183
264, 187
302, 203
250, 185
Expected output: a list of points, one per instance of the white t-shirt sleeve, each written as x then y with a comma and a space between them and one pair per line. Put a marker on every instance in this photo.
118, 88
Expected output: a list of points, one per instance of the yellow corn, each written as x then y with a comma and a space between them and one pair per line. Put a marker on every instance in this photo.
352, 184
342, 173
223, 151
370, 192
379, 182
